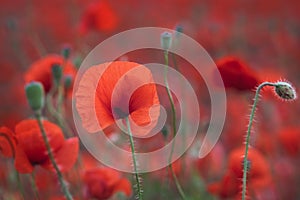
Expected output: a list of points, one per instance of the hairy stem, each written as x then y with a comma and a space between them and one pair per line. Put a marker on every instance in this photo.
136, 174
179, 188
58, 172
245, 161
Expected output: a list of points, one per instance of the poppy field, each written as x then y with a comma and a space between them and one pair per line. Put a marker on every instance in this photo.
170, 99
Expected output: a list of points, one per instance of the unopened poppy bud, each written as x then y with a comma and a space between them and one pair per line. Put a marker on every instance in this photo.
56, 73
66, 51
35, 95
285, 91
166, 40
68, 81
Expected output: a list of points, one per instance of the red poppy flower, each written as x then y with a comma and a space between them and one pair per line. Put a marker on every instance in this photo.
30, 140
258, 174
103, 91
102, 183
9, 148
289, 138
41, 70
99, 16
236, 74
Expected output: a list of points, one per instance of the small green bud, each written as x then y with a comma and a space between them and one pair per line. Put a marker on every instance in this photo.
77, 62
68, 81
56, 73
179, 29
66, 51
35, 95
165, 132
166, 40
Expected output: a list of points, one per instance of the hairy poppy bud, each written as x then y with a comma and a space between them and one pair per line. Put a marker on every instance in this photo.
166, 40
285, 91
35, 95
56, 73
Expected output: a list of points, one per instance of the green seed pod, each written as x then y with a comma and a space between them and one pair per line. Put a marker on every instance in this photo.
35, 95
166, 40
56, 73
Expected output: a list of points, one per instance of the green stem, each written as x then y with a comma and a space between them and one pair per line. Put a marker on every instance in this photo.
58, 172
245, 161
34, 186
20, 186
179, 188
56, 115
139, 188
60, 99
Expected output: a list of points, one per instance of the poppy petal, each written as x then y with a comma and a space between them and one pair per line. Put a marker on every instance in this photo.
7, 142
108, 88
65, 157
22, 164
124, 186
85, 99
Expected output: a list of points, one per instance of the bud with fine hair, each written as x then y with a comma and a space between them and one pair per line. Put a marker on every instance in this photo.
166, 40
35, 95
285, 90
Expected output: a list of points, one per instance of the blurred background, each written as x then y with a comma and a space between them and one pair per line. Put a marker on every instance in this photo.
265, 35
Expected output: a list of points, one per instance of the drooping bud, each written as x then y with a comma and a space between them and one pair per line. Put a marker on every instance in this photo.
166, 40
56, 73
35, 95
285, 91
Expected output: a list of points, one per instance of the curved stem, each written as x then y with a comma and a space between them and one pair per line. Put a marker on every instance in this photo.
58, 172
245, 161
180, 190
139, 188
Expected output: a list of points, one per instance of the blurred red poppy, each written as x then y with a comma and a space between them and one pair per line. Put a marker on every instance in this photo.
102, 183
236, 74
30, 140
258, 174
9, 148
41, 70
99, 16
119, 79
289, 138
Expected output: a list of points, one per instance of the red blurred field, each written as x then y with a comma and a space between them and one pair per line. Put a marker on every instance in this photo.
250, 41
